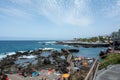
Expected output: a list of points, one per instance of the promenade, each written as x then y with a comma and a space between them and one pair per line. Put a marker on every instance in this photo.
16, 77
111, 73
51, 76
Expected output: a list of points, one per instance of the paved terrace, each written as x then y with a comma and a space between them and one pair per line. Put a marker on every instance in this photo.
111, 73
43, 74
16, 77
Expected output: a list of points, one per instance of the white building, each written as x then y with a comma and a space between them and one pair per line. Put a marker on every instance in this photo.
116, 36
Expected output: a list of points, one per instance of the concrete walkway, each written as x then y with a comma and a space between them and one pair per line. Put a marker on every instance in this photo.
16, 77
111, 73
43, 74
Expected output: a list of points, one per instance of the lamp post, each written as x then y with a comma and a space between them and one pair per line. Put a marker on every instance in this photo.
113, 42
113, 46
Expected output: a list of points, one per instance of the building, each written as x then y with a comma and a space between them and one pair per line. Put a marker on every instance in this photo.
116, 36
116, 40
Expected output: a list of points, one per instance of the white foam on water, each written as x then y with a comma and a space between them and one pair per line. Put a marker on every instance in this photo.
48, 49
5, 54
2, 56
47, 43
21, 51
50, 42
30, 56
10, 53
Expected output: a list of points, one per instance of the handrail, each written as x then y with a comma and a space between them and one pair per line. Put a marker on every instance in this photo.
91, 70
94, 78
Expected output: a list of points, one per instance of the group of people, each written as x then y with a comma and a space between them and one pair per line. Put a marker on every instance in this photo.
28, 72
58, 78
4, 77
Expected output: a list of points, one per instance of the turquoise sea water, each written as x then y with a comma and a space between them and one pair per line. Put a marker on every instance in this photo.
10, 47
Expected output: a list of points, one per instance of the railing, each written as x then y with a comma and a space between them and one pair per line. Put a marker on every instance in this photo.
93, 71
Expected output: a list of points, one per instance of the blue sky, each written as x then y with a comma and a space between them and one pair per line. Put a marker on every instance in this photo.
57, 19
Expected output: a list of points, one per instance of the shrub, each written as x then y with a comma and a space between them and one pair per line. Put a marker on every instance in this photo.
113, 58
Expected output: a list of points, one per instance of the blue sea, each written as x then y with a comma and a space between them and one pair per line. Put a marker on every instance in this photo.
10, 47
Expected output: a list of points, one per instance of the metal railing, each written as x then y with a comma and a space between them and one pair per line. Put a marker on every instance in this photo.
93, 71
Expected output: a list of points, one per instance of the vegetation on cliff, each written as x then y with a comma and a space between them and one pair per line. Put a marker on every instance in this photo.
113, 58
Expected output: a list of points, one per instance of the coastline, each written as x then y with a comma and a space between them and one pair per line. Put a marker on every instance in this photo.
8, 48
84, 44
33, 58
58, 58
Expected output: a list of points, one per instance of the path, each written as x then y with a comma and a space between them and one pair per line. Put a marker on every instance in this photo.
43, 74
16, 77
112, 73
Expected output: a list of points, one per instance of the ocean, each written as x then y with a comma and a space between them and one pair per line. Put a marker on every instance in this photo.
10, 47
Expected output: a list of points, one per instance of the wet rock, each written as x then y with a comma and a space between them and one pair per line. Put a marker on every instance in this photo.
46, 61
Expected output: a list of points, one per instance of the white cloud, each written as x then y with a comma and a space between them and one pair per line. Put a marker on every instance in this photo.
83, 21
14, 12
21, 1
118, 3
113, 10
75, 12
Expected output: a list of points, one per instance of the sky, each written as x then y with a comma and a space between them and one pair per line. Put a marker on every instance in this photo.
57, 19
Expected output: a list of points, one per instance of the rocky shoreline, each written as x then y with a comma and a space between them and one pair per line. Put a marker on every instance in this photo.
21, 64
83, 44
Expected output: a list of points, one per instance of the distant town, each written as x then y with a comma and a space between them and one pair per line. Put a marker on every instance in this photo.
113, 39
115, 36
